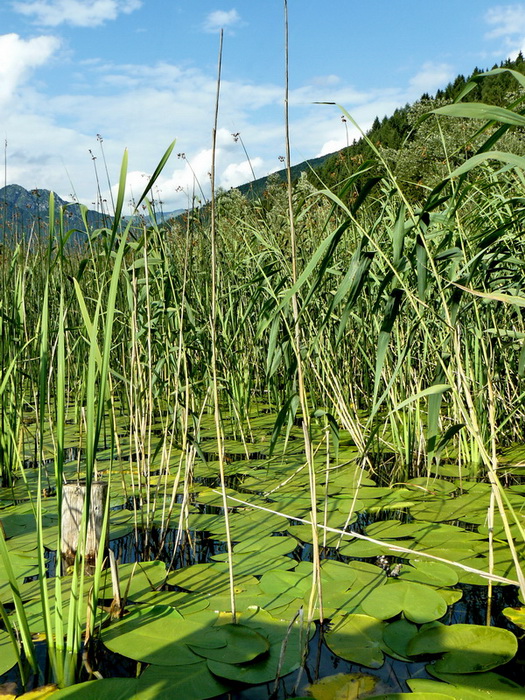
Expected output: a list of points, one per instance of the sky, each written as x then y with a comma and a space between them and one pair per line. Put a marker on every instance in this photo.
83, 80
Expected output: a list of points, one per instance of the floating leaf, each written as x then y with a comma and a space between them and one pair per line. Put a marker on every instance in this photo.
431, 573
155, 634
276, 631
136, 580
357, 638
516, 615
8, 657
471, 687
210, 579
271, 546
194, 682
466, 648
44, 691
412, 696
256, 563
392, 529
280, 581
487, 684
418, 603
343, 686
396, 636
114, 688
242, 644
363, 548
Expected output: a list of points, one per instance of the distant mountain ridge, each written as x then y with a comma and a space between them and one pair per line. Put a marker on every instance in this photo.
24, 214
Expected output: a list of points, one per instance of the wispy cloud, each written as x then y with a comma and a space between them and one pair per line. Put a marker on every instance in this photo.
506, 20
18, 57
430, 77
508, 26
78, 13
222, 19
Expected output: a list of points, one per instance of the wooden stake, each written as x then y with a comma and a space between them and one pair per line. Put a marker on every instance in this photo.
73, 505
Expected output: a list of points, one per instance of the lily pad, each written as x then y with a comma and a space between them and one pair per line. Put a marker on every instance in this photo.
7, 653
194, 682
466, 648
136, 580
397, 636
155, 634
274, 661
280, 581
516, 615
242, 645
343, 686
271, 546
418, 603
412, 696
431, 573
357, 638
471, 687
114, 688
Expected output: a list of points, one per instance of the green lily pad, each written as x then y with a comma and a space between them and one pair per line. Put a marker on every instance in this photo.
363, 548
338, 570
431, 573
357, 638
7, 653
155, 634
256, 563
343, 686
271, 546
137, 581
516, 615
265, 668
471, 687
242, 645
209, 579
418, 603
194, 682
392, 529
396, 636
412, 696
487, 684
114, 688
466, 648
186, 603
281, 581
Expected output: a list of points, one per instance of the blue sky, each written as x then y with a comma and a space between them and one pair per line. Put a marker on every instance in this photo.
141, 73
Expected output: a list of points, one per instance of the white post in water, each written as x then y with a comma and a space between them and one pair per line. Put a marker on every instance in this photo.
73, 504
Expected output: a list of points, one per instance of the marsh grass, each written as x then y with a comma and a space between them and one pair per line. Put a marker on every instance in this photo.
352, 315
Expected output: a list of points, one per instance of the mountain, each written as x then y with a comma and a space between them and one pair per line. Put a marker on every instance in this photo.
24, 214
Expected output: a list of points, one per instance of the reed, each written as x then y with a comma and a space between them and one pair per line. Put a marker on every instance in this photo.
384, 326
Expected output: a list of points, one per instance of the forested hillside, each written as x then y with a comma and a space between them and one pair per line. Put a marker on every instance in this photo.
417, 150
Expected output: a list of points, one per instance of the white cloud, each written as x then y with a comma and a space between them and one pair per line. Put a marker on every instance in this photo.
236, 174
18, 57
507, 20
78, 13
430, 78
326, 80
221, 19
145, 106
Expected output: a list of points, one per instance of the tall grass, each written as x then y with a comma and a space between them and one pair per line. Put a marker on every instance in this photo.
399, 323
